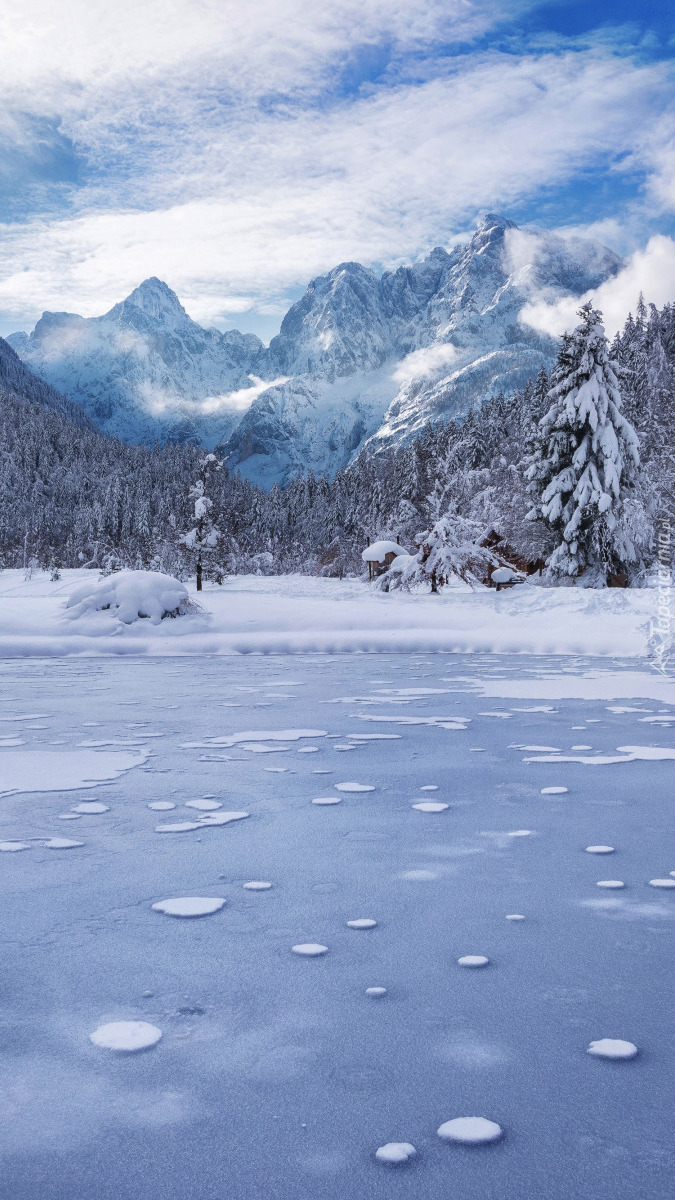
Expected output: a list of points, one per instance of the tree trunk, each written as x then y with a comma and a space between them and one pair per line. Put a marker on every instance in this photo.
199, 572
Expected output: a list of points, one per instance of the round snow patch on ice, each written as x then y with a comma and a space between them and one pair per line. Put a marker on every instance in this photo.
514, 917
161, 805
12, 847
127, 1037
430, 806
309, 949
204, 805
68, 817
471, 1131
362, 923
429, 787
553, 791
257, 885
376, 992
473, 960
354, 787
190, 906
662, 883
612, 1048
395, 1153
57, 843
610, 883
90, 806
322, 800
600, 850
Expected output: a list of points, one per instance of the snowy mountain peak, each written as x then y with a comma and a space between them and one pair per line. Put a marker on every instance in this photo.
154, 299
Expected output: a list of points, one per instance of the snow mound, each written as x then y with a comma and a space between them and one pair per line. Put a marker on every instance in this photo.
430, 806
600, 850
612, 1048
610, 883
354, 787
321, 800
127, 1037
12, 847
473, 960
129, 596
90, 806
376, 992
204, 805
161, 805
190, 906
514, 917
553, 791
662, 883
58, 843
309, 949
471, 1131
258, 885
362, 923
395, 1153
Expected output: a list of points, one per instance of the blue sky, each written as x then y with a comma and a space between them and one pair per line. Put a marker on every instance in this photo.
236, 151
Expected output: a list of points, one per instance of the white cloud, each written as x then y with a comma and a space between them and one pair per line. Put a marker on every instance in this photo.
650, 271
267, 199
242, 399
421, 364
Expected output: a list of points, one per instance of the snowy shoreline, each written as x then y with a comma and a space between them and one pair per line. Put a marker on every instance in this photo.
295, 614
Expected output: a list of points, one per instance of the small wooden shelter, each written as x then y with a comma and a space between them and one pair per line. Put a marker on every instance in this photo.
380, 555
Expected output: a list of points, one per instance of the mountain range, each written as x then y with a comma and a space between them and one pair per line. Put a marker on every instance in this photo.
361, 361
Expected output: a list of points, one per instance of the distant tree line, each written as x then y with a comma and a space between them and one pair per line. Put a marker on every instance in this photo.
70, 496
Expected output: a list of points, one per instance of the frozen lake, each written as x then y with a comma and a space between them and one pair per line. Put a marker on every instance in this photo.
276, 1076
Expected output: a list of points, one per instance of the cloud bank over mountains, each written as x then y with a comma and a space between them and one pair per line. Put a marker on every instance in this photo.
238, 151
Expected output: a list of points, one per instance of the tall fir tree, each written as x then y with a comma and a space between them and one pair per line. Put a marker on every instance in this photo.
586, 461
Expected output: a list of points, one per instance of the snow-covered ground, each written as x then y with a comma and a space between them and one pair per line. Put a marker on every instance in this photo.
149, 1051
303, 614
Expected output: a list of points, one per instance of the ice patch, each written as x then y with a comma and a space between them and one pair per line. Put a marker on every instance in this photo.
600, 849
395, 1153
430, 806
362, 923
662, 883
473, 960
58, 771
57, 843
429, 787
323, 800
93, 807
514, 917
610, 883
190, 906
161, 805
177, 827
12, 847
257, 885
354, 787
203, 805
309, 949
257, 736
612, 1048
553, 791
470, 1131
126, 1037
376, 992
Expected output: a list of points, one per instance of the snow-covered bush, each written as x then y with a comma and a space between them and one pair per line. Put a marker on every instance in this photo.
131, 596
450, 552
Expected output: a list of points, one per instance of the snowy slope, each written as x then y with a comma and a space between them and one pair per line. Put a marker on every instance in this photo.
360, 360
144, 370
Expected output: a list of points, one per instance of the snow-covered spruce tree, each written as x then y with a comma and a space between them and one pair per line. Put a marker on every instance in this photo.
204, 536
449, 552
585, 461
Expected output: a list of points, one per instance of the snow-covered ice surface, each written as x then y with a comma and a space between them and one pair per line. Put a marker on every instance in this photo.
279, 1076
